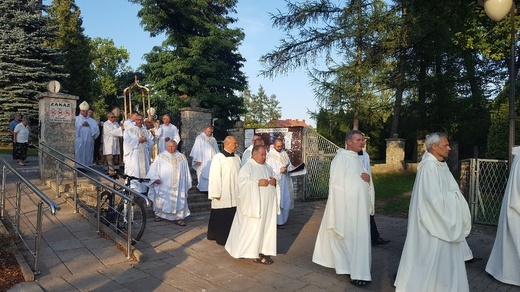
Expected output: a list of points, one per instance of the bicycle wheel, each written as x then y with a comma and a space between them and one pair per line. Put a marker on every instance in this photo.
108, 212
138, 220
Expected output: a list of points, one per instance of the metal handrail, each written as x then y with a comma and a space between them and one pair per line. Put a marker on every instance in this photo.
18, 206
129, 200
90, 169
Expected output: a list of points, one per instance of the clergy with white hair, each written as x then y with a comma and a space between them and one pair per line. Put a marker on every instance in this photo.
87, 130
438, 222
137, 146
504, 261
278, 159
253, 232
166, 132
170, 180
343, 241
204, 148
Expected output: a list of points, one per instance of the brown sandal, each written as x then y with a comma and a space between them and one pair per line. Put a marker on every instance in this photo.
157, 219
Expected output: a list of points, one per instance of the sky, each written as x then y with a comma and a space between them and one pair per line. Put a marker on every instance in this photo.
117, 20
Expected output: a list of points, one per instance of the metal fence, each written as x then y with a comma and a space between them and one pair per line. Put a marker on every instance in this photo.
483, 182
317, 153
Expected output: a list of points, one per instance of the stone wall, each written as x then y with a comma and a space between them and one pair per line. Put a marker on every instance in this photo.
193, 121
240, 134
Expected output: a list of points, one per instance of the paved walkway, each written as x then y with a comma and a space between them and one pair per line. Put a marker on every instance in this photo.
75, 258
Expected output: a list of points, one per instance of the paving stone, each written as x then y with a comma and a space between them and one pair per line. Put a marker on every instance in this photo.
109, 256
93, 282
65, 244
54, 283
123, 273
150, 284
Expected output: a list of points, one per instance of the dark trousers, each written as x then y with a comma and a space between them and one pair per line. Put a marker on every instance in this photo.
374, 234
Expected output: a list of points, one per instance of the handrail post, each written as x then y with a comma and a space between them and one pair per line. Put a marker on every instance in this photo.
76, 191
38, 239
2, 211
57, 178
129, 213
18, 207
98, 208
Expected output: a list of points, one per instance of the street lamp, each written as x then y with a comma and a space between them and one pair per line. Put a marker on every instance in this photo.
497, 10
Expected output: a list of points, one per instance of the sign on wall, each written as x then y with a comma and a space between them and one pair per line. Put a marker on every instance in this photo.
60, 112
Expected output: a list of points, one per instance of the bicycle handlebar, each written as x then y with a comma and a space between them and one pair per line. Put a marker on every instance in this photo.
130, 178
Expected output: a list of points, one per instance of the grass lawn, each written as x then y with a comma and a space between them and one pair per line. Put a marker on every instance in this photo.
393, 192
9, 150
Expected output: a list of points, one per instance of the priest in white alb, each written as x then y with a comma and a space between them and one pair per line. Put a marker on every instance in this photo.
278, 159
87, 130
253, 232
111, 133
165, 133
137, 146
170, 180
504, 261
343, 241
223, 191
247, 153
204, 148
438, 222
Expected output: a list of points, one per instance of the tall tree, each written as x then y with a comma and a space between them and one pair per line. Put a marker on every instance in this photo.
75, 46
26, 63
260, 107
109, 65
199, 58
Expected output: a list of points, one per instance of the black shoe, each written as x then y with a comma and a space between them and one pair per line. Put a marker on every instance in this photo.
280, 226
380, 241
359, 283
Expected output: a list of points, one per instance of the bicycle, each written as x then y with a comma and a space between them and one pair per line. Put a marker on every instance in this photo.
114, 212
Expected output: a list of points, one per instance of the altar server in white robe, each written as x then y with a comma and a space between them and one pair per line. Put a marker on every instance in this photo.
204, 148
253, 232
278, 159
87, 130
223, 191
438, 222
165, 133
504, 261
247, 153
111, 133
137, 144
343, 241
170, 180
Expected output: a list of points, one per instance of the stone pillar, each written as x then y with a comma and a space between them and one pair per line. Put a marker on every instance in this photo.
240, 134
395, 154
421, 149
193, 121
57, 117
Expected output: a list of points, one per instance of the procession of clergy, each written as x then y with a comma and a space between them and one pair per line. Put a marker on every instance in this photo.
251, 197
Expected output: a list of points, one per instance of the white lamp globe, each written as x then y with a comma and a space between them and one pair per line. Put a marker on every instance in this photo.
497, 9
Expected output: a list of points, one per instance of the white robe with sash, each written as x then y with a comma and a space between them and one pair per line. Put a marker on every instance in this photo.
85, 136
343, 241
166, 131
504, 261
203, 151
137, 155
170, 197
438, 222
278, 160
254, 227
111, 133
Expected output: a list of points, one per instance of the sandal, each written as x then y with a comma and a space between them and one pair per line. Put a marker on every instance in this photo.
157, 219
264, 260
359, 283
179, 222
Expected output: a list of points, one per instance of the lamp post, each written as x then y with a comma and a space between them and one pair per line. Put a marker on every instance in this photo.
497, 10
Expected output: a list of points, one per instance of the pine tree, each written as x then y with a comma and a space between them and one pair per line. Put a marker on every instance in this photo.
260, 107
26, 63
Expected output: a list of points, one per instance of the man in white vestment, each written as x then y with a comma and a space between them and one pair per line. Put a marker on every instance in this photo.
170, 180
374, 233
247, 153
87, 130
165, 133
504, 261
223, 191
204, 148
253, 232
438, 222
137, 144
111, 133
278, 159
343, 241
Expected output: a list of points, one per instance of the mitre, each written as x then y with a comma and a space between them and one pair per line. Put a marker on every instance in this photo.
151, 111
84, 106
